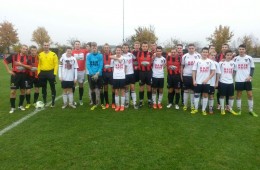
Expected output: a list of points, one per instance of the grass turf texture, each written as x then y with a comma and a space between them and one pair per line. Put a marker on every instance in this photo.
143, 139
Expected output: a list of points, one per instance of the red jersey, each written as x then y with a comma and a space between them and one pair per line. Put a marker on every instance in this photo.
17, 58
175, 61
80, 56
106, 62
145, 56
34, 63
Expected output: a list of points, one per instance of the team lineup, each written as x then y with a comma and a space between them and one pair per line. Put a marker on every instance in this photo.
192, 77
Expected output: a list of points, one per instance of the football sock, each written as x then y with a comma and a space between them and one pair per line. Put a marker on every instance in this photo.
65, 98
154, 98
81, 92
160, 98
221, 100
21, 97
12, 102
192, 99
186, 98
35, 97
177, 98
28, 98
133, 94
196, 100
204, 103
70, 95
250, 105
231, 102
117, 100
122, 100
239, 104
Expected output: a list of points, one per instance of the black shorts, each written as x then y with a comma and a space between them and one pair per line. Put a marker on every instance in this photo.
174, 81
240, 86
211, 90
188, 83
18, 81
107, 78
96, 84
67, 84
130, 79
157, 82
145, 78
118, 83
45, 76
226, 89
136, 73
31, 82
201, 88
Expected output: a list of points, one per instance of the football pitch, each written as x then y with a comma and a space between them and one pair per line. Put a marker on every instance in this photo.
134, 139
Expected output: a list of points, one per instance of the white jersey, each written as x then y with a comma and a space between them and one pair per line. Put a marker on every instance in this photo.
158, 67
68, 68
129, 57
118, 68
187, 62
218, 71
227, 69
203, 68
243, 67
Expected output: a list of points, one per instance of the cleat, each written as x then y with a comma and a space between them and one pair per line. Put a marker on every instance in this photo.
194, 111
103, 107
107, 106
169, 106
64, 106
113, 106
75, 103
219, 107
122, 108
140, 104
223, 112
227, 108
253, 113
184, 108
233, 112
154, 106
27, 106
192, 108
117, 108
211, 111
204, 113
177, 107
127, 105
21, 108
52, 106
12, 110
160, 106
239, 112
93, 107
72, 106
81, 103
135, 106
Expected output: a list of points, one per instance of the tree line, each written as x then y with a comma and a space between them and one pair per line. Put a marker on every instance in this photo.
9, 39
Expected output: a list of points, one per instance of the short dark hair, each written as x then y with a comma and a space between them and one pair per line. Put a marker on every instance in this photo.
125, 44
76, 41
119, 46
211, 45
179, 45
159, 47
33, 46
145, 42
225, 44
68, 48
93, 44
205, 48
242, 46
228, 51
191, 44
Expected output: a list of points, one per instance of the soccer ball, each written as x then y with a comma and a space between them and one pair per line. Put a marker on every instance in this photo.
145, 63
39, 105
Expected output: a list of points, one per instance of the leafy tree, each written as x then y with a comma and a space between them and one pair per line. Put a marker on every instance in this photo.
143, 34
8, 36
71, 41
40, 35
221, 35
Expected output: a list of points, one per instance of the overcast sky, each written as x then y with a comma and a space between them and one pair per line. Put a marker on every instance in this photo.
102, 20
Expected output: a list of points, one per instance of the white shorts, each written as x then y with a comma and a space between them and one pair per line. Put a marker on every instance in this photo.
81, 76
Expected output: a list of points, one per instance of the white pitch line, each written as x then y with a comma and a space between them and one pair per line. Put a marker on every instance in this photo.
16, 123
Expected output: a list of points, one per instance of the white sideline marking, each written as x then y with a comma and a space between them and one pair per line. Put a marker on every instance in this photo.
16, 123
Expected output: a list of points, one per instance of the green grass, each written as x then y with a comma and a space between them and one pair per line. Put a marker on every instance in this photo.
143, 139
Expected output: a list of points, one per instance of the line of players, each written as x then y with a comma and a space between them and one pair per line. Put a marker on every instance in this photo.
192, 72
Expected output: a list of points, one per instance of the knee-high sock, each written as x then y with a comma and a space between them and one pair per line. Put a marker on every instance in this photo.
196, 100
154, 98
231, 102
250, 105
122, 100
177, 98
160, 98
65, 98
28, 98
126, 96
192, 99
106, 97
117, 100
133, 94
70, 95
185, 98
211, 104
35, 97
21, 100
222, 104
170, 97
239, 104
204, 103
81, 92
